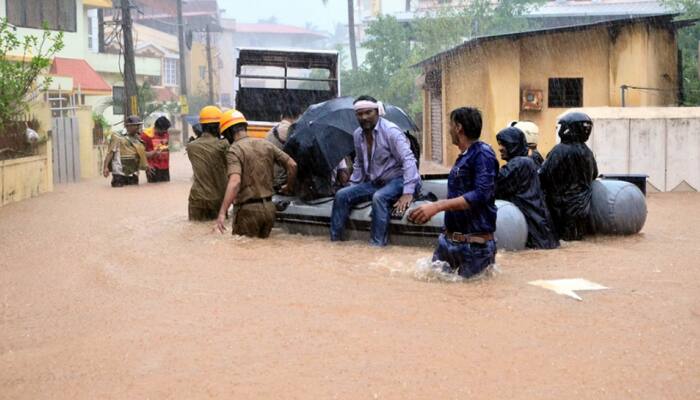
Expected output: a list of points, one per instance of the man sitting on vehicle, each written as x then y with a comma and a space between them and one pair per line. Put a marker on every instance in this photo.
519, 183
567, 175
532, 133
278, 136
384, 171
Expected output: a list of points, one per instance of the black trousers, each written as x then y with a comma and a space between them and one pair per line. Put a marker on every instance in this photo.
121, 180
158, 175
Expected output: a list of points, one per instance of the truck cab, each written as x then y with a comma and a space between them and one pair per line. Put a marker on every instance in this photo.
269, 79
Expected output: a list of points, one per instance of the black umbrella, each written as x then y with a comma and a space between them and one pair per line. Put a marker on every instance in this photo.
322, 137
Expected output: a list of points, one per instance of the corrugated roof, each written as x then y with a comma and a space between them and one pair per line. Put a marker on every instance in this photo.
82, 73
665, 18
567, 8
580, 8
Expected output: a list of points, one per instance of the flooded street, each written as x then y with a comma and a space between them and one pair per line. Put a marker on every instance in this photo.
112, 293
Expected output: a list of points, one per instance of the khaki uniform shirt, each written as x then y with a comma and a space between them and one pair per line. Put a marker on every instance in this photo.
280, 177
254, 160
282, 133
207, 155
129, 154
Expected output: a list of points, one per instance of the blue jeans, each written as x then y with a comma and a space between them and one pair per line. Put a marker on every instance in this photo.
383, 199
467, 259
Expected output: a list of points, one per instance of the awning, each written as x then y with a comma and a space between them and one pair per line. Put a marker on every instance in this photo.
98, 3
84, 77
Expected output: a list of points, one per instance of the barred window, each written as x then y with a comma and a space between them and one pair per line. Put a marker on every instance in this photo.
565, 92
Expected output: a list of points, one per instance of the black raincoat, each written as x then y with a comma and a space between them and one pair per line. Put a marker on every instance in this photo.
566, 177
519, 183
537, 157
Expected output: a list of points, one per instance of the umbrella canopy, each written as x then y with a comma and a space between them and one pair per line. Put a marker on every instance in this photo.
322, 137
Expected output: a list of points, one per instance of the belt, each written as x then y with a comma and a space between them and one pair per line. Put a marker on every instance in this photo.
257, 200
479, 238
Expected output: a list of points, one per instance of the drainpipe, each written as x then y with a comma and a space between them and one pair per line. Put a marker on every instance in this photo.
623, 88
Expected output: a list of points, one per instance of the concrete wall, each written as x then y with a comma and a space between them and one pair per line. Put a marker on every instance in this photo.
91, 156
640, 55
663, 143
462, 78
565, 55
26, 177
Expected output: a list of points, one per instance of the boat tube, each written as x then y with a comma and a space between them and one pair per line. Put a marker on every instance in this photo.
617, 207
313, 218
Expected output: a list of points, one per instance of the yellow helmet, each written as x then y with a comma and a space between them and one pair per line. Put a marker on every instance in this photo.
209, 115
230, 118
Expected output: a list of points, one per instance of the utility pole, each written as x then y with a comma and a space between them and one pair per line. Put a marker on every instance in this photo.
209, 67
130, 88
351, 33
183, 69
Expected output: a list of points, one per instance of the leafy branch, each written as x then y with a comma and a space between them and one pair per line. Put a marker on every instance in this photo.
18, 75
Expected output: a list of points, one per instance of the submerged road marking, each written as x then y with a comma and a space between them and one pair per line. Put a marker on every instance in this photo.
568, 287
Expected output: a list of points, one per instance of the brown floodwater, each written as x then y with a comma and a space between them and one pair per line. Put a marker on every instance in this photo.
112, 293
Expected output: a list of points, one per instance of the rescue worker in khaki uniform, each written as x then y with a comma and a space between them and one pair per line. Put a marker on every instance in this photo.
250, 165
126, 155
278, 136
207, 155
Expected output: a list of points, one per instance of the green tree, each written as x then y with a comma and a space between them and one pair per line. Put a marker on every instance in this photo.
385, 73
688, 41
18, 75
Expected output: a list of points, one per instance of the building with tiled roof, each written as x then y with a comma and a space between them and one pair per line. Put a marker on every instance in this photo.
85, 78
277, 35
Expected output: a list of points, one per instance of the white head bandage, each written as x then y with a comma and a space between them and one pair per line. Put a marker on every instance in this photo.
369, 105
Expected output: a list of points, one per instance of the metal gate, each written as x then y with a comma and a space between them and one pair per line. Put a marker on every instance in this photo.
66, 139
66, 149
436, 127
434, 82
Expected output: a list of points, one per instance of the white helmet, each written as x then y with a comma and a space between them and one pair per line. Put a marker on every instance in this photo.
530, 130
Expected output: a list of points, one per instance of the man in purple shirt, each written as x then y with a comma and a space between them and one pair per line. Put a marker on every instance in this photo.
385, 171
